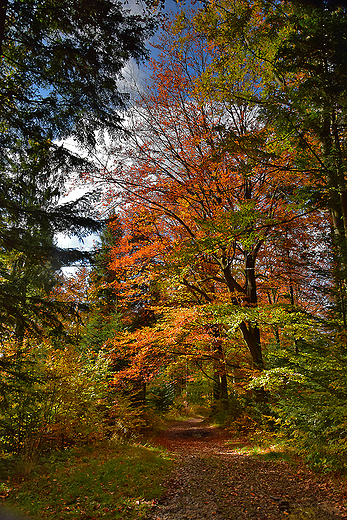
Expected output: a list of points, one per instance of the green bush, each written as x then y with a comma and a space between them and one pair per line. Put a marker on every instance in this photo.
308, 398
162, 397
52, 401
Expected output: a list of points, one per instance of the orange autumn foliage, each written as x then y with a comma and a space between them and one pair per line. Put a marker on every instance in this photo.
206, 198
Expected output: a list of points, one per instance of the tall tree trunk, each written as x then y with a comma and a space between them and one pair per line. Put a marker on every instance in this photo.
332, 153
220, 386
250, 331
251, 334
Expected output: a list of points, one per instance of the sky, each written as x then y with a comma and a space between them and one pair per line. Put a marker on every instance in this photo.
131, 72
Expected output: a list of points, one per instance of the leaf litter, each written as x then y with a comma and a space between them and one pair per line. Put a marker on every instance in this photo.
214, 480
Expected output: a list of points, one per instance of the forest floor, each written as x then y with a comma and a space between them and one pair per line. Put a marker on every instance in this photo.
216, 478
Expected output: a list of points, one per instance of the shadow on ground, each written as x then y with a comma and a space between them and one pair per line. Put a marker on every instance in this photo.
215, 480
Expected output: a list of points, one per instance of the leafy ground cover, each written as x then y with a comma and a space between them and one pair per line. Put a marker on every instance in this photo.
197, 471
223, 477
117, 481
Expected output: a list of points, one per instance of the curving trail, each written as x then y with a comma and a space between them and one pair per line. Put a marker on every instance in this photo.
214, 480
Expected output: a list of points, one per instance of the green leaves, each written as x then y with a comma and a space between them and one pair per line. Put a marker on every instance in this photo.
66, 59
59, 73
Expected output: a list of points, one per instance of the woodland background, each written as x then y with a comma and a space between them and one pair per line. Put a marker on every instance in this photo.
217, 187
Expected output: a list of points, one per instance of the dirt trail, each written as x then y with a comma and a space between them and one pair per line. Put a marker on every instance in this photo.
214, 480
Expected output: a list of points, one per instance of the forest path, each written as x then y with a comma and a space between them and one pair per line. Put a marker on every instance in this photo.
215, 480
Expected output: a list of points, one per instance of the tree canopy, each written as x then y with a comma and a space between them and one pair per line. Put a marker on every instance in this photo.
61, 64
220, 277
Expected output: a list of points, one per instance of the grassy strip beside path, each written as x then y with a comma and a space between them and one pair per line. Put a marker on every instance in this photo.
109, 481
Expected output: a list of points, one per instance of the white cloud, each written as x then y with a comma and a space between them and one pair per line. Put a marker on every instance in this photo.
86, 244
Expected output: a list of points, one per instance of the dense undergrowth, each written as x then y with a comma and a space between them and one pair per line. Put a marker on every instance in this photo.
291, 428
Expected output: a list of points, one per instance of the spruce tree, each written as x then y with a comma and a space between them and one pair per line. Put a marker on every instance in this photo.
60, 68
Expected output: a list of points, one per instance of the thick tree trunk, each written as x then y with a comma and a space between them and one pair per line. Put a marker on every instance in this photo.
250, 331
251, 334
216, 385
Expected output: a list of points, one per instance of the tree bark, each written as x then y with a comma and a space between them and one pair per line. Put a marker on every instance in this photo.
251, 335
220, 386
250, 332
